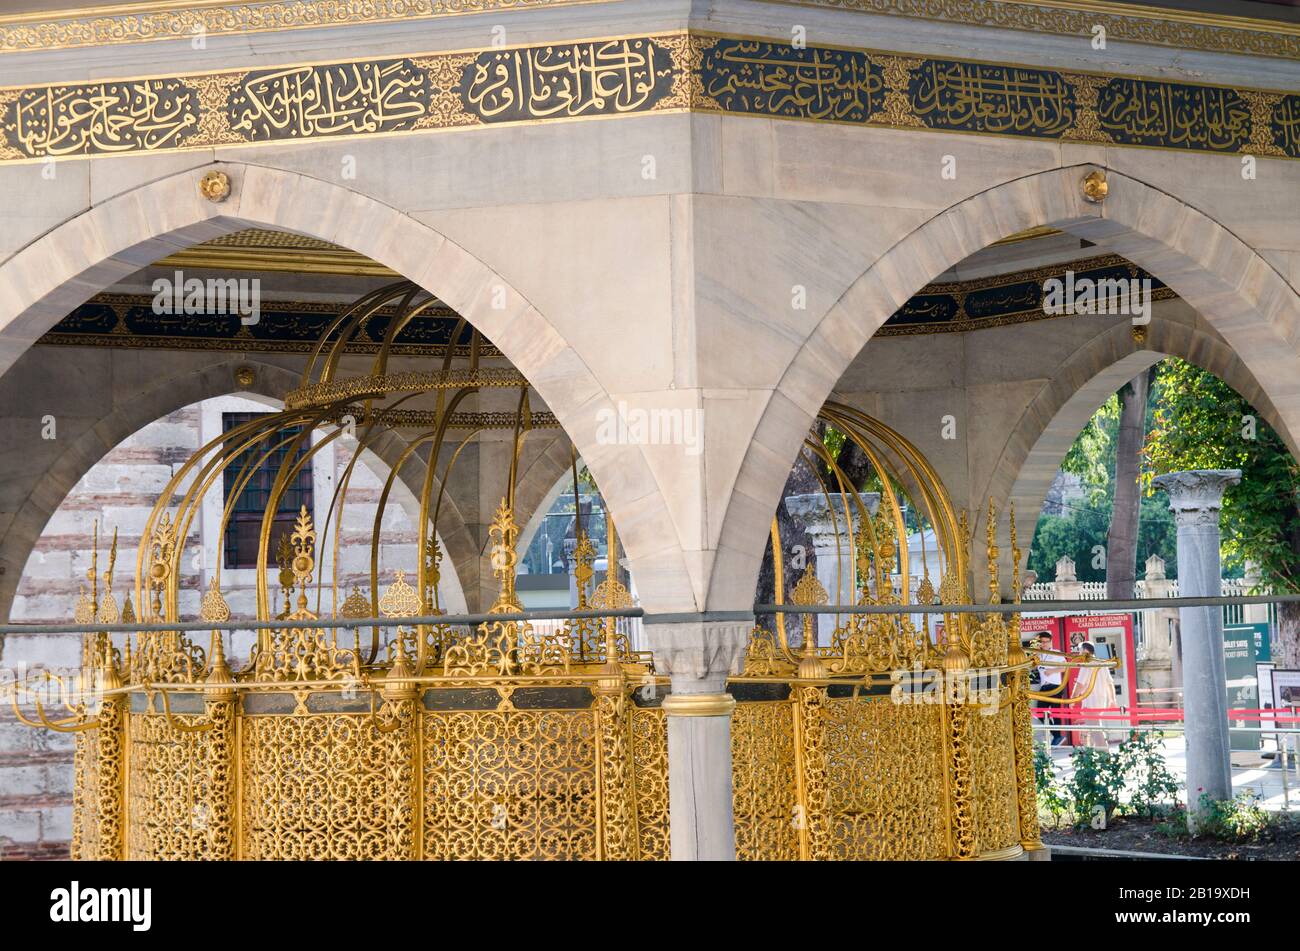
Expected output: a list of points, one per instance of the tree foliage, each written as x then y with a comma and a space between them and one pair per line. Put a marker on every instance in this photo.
1082, 531
1202, 423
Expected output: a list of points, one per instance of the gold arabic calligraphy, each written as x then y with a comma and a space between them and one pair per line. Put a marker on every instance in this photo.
571, 80
981, 98
1145, 112
776, 79
344, 99
98, 118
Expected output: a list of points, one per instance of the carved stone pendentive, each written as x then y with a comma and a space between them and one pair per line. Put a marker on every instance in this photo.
827, 525
1196, 496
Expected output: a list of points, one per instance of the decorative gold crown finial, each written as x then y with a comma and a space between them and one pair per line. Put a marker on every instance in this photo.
215, 186
1095, 187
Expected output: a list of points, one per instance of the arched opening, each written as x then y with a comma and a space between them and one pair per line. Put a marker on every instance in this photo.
1186, 251
54, 275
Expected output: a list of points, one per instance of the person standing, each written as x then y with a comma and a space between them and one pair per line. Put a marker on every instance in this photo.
1049, 682
1097, 692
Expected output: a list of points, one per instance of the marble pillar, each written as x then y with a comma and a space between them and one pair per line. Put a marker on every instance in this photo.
699, 656
1195, 498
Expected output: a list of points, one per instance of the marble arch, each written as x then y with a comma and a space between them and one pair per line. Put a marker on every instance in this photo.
1044, 433
1241, 295
67, 265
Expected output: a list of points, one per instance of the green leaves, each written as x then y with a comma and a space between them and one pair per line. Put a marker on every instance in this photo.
1202, 423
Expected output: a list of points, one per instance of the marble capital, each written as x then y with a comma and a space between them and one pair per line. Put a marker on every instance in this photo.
699, 655
1196, 495
814, 510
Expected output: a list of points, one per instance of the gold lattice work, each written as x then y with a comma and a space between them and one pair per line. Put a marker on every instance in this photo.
509, 740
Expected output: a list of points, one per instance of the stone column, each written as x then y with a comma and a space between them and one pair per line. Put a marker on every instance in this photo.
1196, 497
834, 567
699, 656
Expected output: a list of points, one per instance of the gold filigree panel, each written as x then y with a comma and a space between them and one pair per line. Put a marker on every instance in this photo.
181, 794
764, 794
650, 780
509, 784
326, 786
997, 824
885, 764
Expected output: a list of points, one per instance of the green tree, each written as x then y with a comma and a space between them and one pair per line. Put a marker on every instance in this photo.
1202, 423
1087, 523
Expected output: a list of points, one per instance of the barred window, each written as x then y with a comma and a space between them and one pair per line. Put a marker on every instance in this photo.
244, 527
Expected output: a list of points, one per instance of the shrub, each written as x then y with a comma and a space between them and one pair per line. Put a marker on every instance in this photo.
1095, 786
1050, 799
1239, 819
1154, 789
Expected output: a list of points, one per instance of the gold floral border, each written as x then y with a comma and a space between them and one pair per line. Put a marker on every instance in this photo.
1158, 26
184, 19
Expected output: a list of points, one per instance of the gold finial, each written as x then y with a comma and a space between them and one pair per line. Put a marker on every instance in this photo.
1094, 185
284, 558
215, 186
584, 557
213, 607
161, 547
220, 680
92, 573
432, 573
83, 612
995, 589
304, 561
401, 669
809, 591
504, 557
107, 606
1015, 556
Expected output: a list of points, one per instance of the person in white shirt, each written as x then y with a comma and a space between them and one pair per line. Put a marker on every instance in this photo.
1049, 679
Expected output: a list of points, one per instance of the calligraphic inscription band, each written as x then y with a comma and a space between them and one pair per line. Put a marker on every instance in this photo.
604, 78
1005, 100
103, 118
570, 80
1284, 125
1142, 112
775, 79
345, 99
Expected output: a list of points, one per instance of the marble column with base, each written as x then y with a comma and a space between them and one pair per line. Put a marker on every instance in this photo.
699, 656
1196, 499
